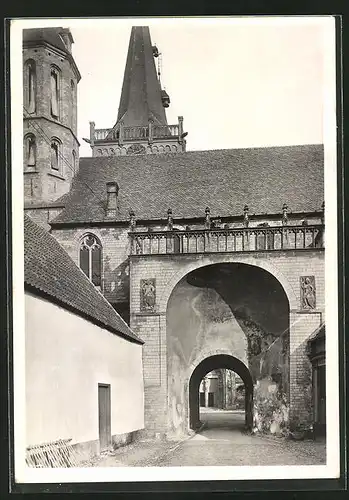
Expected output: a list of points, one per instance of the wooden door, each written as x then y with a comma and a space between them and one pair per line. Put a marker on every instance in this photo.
210, 399
104, 415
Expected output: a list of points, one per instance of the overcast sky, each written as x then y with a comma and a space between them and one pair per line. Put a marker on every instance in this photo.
255, 82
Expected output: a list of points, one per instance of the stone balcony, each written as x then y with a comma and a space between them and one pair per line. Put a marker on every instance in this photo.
250, 239
149, 133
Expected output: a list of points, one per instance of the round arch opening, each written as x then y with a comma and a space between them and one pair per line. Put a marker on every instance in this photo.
231, 309
209, 364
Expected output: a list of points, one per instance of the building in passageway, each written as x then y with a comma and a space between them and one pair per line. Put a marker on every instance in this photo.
221, 389
209, 392
83, 363
214, 258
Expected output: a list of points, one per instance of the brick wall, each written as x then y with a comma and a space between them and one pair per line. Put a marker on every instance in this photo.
301, 326
121, 284
115, 252
287, 267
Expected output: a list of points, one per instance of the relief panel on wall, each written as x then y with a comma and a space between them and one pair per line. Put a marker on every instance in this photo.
148, 295
308, 292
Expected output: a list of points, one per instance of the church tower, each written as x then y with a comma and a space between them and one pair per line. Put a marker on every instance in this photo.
141, 125
50, 144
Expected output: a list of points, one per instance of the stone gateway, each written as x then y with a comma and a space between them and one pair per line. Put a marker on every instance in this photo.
214, 259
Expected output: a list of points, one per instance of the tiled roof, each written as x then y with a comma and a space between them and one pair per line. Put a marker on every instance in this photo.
224, 180
49, 270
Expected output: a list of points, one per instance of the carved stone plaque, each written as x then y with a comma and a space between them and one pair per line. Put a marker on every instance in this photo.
308, 292
148, 295
136, 149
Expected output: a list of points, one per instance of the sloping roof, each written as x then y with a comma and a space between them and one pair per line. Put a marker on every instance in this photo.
60, 202
49, 270
318, 333
141, 91
49, 35
188, 182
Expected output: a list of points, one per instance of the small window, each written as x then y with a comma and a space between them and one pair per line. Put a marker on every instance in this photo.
29, 151
55, 155
91, 258
54, 93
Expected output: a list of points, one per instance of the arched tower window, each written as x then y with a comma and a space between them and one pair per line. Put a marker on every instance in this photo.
30, 86
30, 151
74, 162
55, 91
90, 258
73, 104
55, 155
72, 86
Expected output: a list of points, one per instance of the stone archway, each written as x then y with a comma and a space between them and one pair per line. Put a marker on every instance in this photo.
212, 363
243, 312
264, 263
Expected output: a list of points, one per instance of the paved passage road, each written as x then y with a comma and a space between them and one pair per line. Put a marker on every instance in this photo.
223, 442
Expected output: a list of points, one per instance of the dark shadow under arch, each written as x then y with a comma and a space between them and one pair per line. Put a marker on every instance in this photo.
213, 363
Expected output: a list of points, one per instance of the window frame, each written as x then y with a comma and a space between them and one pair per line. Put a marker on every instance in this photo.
26, 167
54, 70
58, 143
90, 269
30, 64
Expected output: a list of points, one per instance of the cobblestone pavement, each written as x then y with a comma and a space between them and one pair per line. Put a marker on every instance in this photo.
221, 442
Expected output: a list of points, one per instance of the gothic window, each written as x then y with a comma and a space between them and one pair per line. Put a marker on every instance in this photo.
30, 86
55, 155
91, 258
30, 151
54, 92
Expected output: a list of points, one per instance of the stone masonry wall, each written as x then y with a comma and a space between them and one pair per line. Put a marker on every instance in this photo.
41, 183
115, 252
286, 266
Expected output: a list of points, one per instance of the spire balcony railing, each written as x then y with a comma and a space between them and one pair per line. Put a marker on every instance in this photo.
164, 131
100, 134
227, 240
149, 133
130, 133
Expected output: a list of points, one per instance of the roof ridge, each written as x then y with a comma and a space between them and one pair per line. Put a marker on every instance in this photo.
35, 238
211, 151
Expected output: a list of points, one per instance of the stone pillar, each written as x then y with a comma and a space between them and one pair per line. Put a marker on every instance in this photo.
121, 134
92, 135
150, 325
206, 387
220, 389
302, 325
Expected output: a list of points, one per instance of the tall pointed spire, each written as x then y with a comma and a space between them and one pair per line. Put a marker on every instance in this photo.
141, 125
141, 91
